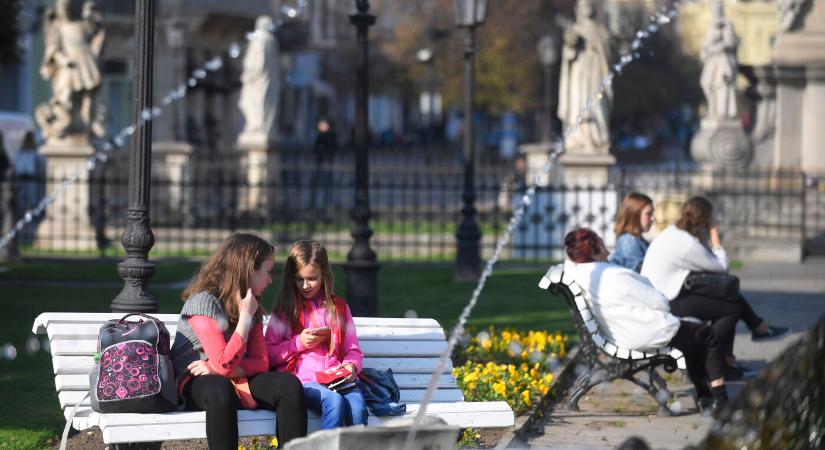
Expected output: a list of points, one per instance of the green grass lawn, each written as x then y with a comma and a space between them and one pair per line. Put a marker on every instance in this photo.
28, 402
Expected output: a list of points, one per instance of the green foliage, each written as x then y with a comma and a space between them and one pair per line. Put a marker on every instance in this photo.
470, 438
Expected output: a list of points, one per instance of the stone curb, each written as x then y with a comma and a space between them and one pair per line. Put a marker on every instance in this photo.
563, 377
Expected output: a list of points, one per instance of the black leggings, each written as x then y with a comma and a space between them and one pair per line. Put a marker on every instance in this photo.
277, 391
723, 314
704, 354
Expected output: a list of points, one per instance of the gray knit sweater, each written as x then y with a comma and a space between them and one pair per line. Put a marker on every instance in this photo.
187, 347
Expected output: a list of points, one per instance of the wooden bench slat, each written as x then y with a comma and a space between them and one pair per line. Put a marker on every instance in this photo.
189, 425
70, 398
84, 365
375, 348
76, 382
89, 331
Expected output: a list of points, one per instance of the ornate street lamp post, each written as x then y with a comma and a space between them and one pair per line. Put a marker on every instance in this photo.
137, 238
548, 56
468, 15
361, 266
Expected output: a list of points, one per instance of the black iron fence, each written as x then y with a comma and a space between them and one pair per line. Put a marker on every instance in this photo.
415, 201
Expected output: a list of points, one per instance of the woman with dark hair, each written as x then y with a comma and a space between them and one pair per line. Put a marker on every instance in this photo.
632, 314
692, 245
635, 217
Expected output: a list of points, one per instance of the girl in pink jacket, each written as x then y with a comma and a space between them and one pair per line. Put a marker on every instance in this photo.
311, 334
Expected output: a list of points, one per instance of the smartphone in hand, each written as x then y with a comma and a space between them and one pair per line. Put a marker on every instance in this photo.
321, 331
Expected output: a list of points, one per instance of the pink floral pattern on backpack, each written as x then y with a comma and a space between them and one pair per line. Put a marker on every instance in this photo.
128, 370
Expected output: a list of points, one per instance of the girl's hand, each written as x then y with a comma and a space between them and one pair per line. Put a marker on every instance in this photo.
309, 339
352, 370
715, 240
247, 305
201, 367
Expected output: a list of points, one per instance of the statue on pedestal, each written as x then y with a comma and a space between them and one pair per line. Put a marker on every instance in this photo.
718, 79
70, 64
583, 69
721, 141
260, 84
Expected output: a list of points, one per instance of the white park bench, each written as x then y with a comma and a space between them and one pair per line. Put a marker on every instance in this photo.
605, 360
410, 347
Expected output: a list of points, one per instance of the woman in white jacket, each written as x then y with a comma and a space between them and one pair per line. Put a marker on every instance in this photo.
634, 315
693, 245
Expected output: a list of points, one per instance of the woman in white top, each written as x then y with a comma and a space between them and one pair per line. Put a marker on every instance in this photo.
632, 314
693, 245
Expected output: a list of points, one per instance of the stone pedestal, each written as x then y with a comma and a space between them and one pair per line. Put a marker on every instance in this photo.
173, 176
259, 165
721, 143
67, 225
535, 157
799, 59
585, 169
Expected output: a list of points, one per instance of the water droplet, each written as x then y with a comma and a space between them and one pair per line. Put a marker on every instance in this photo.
652, 28
192, 82
28, 217
636, 44
617, 68
90, 164
130, 130
32, 344
146, 114
223, 323
663, 396
9, 351
664, 20
676, 406
199, 74
107, 146
156, 111
167, 100
118, 140
234, 50
45, 345
579, 370
214, 64
410, 314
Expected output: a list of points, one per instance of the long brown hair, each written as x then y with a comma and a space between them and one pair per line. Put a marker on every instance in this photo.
696, 216
226, 273
302, 254
629, 219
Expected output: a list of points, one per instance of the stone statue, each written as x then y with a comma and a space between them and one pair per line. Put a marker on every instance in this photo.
261, 83
583, 69
70, 64
789, 12
718, 79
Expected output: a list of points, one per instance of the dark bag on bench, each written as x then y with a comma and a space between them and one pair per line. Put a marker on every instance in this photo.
721, 286
133, 373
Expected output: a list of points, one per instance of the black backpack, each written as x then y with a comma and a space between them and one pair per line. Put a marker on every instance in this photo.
133, 371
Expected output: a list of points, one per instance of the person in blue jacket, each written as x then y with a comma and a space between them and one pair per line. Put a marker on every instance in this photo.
635, 217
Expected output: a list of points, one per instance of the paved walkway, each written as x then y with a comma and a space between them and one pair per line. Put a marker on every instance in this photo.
784, 294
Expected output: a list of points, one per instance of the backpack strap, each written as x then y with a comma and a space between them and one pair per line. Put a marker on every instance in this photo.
68, 426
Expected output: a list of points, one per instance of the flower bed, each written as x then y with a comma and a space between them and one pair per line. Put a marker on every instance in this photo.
511, 366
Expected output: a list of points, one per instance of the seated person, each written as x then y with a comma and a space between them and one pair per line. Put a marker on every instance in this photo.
632, 314
635, 217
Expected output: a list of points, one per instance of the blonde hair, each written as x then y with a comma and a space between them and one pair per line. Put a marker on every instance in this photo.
302, 254
629, 219
226, 273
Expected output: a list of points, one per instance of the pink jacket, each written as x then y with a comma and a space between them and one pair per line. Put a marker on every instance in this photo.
282, 345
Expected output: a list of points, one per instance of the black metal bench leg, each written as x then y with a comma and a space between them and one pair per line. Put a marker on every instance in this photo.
664, 410
584, 383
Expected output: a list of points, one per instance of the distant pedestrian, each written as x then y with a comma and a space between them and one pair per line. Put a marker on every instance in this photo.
324, 150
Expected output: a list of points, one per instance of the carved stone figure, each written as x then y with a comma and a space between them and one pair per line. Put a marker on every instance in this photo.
583, 69
718, 79
70, 63
260, 82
